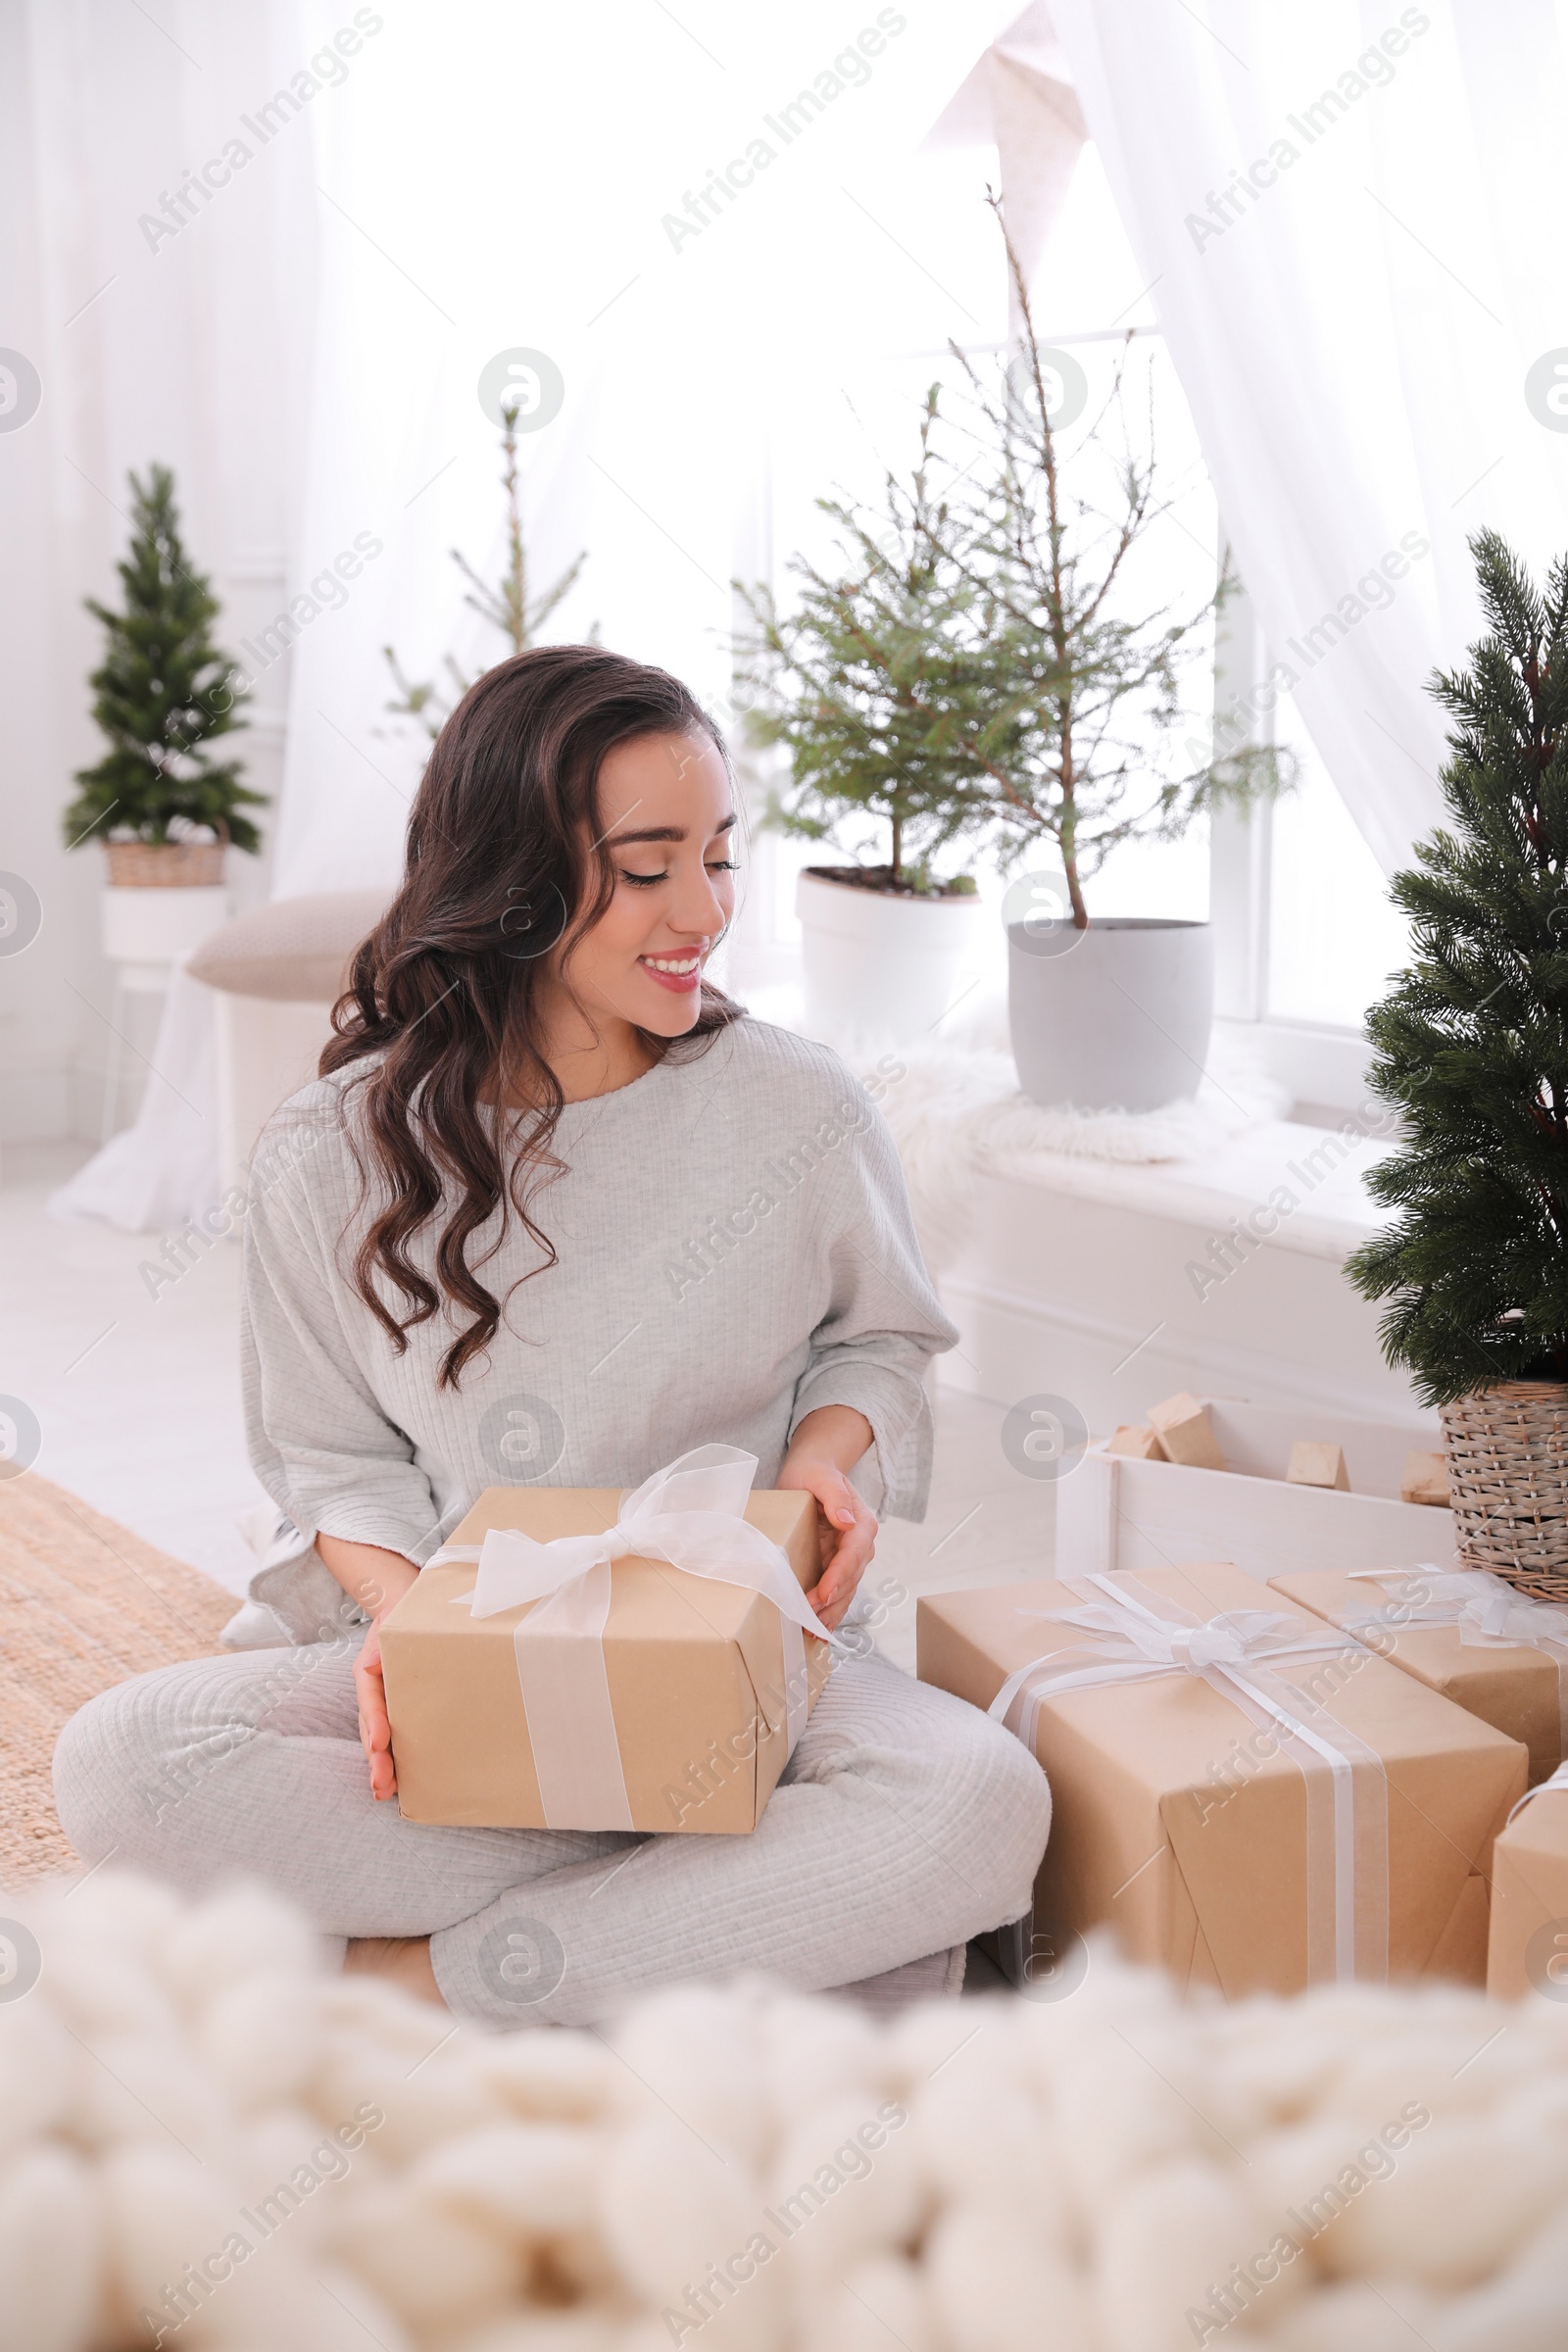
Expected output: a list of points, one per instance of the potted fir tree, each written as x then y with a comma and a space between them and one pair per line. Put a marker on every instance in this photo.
1471, 1047
163, 808
1074, 697
855, 683
976, 673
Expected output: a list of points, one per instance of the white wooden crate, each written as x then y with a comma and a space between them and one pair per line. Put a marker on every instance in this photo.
1117, 1512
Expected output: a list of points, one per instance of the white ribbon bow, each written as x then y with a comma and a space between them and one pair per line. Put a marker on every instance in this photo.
692, 1513
1140, 1634
1489, 1612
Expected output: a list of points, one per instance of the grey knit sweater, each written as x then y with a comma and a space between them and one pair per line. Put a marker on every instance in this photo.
734, 1248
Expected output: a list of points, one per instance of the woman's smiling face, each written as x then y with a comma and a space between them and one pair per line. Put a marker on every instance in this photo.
667, 816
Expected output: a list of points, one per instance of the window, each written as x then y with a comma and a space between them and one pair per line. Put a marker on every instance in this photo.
1304, 930
1334, 934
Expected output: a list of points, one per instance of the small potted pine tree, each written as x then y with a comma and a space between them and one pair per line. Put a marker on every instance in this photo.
855, 682
975, 672
1471, 1049
163, 808
1079, 706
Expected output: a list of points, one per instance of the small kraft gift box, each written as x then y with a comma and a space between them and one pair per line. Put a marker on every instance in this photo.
1247, 1796
1528, 1949
575, 1658
1496, 1652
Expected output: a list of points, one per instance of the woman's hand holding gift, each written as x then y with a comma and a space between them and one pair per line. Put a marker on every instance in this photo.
826, 1447
376, 1580
375, 1729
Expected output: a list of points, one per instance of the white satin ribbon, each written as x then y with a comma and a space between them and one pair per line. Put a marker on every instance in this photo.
692, 1513
1558, 1780
1489, 1612
1141, 1633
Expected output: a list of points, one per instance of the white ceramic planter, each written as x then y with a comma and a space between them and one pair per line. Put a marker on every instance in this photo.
883, 966
145, 931
1116, 1017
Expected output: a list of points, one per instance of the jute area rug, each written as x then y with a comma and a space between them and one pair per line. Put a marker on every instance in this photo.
83, 1604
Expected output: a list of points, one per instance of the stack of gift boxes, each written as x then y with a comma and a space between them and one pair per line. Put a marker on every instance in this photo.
1341, 1774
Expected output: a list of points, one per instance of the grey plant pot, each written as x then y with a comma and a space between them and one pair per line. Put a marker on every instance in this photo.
1116, 1017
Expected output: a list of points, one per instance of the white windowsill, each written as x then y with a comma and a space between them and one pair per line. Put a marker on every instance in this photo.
1322, 1168
1331, 1211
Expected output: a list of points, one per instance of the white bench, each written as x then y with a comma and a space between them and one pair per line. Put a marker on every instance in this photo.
1114, 1286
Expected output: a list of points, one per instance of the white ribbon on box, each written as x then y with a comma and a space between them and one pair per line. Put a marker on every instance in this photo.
692, 1513
1489, 1613
1140, 1633
1557, 1784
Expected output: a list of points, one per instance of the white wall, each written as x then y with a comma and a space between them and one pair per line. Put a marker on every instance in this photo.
184, 350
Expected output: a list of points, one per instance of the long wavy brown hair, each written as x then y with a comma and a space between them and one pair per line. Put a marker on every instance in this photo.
504, 871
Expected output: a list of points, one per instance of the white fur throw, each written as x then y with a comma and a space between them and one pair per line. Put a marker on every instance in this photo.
957, 1111
193, 2113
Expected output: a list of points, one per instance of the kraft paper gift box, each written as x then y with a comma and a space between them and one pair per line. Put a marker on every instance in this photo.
1464, 1632
646, 1697
1339, 1827
1529, 1942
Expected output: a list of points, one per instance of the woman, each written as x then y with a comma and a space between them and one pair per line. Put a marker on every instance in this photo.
558, 1210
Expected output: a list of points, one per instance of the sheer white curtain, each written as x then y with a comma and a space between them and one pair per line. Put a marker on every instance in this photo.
1345, 212
157, 260
660, 206
662, 210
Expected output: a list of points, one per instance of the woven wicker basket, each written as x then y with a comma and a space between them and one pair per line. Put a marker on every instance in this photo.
1507, 1452
164, 864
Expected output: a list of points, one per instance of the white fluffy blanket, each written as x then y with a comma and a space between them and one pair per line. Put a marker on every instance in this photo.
956, 1109
194, 2115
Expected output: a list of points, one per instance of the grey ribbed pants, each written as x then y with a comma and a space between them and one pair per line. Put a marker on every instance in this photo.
906, 1822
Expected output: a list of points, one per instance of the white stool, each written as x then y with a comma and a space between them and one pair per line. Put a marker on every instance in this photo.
143, 934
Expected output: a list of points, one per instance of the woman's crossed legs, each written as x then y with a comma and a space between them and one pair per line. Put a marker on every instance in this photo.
905, 1823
